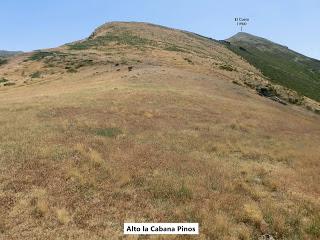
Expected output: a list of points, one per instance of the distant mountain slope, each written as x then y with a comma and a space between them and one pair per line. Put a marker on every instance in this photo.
280, 64
4, 53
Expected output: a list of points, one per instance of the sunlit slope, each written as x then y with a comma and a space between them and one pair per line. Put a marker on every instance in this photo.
141, 123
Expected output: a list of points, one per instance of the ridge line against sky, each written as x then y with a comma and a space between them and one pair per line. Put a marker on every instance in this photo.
38, 24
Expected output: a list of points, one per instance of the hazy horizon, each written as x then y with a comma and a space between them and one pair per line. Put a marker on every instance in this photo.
37, 24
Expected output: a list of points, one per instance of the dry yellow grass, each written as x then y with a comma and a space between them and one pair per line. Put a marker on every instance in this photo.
63, 216
169, 141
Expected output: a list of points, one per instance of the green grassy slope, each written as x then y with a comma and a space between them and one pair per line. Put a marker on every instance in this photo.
282, 65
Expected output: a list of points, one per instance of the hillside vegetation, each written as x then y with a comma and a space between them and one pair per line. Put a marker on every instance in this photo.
280, 64
142, 123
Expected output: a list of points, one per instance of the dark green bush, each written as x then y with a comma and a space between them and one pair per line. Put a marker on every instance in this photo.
174, 48
188, 60
9, 84
125, 38
71, 70
227, 68
3, 61
37, 56
108, 132
3, 80
35, 74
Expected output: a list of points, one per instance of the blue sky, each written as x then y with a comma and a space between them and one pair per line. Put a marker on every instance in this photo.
36, 24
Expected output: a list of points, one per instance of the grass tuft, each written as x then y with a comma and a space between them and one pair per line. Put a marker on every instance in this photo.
108, 132
314, 228
63, 216
35, 74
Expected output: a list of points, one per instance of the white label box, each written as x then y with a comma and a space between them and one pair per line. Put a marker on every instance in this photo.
160, 228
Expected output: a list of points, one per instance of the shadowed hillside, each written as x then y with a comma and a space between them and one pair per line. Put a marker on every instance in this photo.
142, 123
280, 64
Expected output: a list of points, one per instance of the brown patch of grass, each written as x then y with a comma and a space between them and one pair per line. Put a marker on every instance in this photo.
252, 213
40, 202
63, 216
2, 226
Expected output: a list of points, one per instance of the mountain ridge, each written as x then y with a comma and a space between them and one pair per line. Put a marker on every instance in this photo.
247, 35
279, 63
145, 124
140, 36
5, 53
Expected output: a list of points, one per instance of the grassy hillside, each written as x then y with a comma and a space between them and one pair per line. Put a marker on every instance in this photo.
279, 63
141, 123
